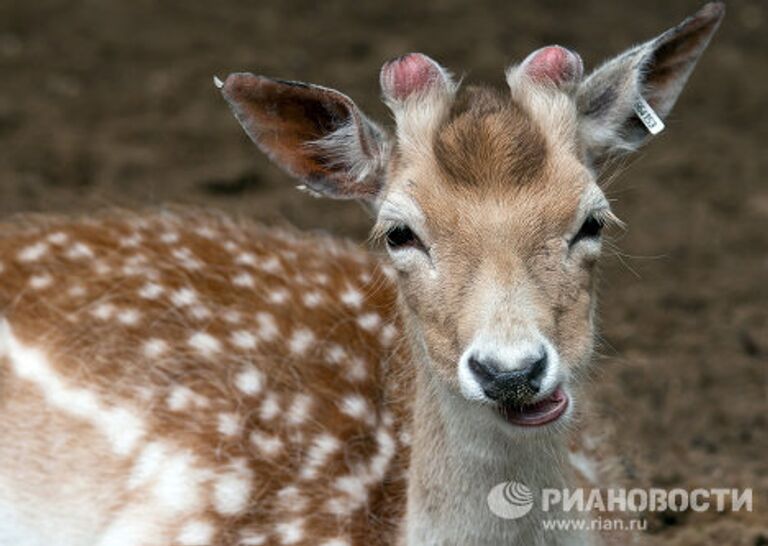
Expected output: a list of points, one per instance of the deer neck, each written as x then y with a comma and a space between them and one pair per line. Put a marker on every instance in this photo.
458, 455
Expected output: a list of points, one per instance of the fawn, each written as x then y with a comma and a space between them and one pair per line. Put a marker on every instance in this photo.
180, 378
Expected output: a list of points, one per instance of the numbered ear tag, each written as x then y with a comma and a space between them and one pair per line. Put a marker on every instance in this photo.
649, 118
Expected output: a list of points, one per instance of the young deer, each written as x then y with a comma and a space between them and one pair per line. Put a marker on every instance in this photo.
177, 378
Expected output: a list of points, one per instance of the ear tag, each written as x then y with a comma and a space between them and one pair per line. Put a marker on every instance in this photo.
649, 118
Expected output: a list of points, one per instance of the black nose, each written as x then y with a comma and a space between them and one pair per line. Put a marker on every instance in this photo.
511, 387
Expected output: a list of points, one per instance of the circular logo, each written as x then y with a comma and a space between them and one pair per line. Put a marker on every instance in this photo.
510, 500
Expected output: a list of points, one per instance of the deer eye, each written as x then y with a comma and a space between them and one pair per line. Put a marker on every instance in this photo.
590, 229
401, 237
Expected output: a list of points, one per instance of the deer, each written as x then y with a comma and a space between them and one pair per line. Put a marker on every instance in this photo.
179, 377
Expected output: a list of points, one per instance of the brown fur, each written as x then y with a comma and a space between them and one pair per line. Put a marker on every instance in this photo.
489, 140
106, 357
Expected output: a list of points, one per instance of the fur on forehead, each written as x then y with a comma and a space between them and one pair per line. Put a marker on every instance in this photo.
420, 117
477, 133
553, 107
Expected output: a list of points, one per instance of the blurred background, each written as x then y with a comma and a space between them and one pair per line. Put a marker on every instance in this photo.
106, 103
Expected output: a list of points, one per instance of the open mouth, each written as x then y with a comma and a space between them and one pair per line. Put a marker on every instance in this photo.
539, 413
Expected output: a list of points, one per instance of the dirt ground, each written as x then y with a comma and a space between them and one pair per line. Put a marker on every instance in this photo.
111, 103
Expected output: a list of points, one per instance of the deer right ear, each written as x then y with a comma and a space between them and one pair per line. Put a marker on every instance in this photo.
316, 134
624, 101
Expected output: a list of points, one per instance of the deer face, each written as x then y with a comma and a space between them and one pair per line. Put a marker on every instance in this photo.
487, 201
493, 220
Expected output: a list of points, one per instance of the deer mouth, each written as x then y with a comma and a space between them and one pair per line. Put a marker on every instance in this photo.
539, 413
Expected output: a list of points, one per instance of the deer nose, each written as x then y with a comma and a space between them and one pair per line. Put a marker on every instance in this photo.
515, 386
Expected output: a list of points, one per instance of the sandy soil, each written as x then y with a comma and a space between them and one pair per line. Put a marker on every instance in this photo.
111, 103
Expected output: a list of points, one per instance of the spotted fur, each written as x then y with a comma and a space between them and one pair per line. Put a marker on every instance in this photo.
190, 407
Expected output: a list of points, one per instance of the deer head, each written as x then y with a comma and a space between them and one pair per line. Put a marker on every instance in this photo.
488, 201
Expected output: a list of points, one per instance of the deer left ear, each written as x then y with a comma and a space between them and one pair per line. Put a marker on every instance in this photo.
626, 100
316, 134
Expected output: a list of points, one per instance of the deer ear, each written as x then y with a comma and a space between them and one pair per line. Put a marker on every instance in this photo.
626, 100
316, 134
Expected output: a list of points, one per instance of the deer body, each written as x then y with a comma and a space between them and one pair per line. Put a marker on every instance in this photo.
178, 378
205, 378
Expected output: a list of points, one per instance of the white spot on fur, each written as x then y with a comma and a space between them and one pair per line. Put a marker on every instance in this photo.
279, 296
184, 297
182, 398
147, 464
352, 297
270, 407
244, 280
177, 483
252, 538
206, 232
301, 340
171, 474
267, 326
388, 335
129, 317
76, 291
356, 407
229, 424
321, 278
187, 259
268, 444
101, 268
79, 250
335, 542
271, 265
291, 499
103, 311
232, 490
250, 381
290, 532
33, 252
131, 241
39, 282
336, 354
199, 312
243, 339
322, 447
58, 238
369, 321
205, 343
154, 347
357, 369
312, 299
169, 237
151, 291
354, 487
232, 316
246, 258
120, 426
196, 533
298, 412
355, 494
